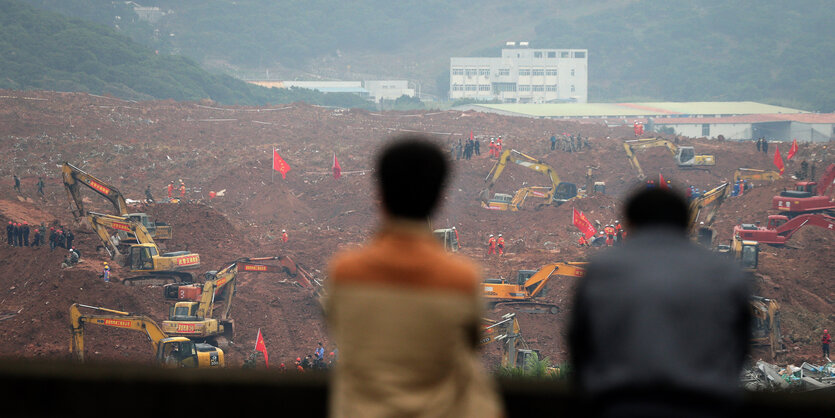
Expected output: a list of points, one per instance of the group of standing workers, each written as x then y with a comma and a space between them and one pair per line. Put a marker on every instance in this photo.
762, 145
495, 245
612, 235
170, 189
466, 149
40, 185
568, 143
17, 234
495, 147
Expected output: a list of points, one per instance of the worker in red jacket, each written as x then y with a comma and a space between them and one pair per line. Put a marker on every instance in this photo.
284, 237
825, 340
491, 245
500, 245
170, 189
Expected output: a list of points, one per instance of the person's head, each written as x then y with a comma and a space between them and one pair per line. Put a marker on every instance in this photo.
411, 173
657, 207
320, 344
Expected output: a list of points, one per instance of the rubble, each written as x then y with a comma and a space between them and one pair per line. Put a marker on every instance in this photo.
769, 377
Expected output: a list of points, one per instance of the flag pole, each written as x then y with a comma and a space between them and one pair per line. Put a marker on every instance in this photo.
272, 169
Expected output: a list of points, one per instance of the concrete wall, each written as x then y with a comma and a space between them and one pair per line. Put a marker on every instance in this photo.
736, 131
388, 89
812, 132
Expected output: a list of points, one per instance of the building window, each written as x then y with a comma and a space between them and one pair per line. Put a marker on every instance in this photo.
502, 87
483, 87
538, 88
572, 88
564, 54
524, 71
484, 71
572, 72
550, 71
550, 88
457, 87
705, 129
538, 71
457, 71
504, 71
470, 72
580, 54
470, 87
524, 88
537, 54
552, 54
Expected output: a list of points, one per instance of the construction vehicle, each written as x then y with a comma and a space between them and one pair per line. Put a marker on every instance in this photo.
807, 197
449, 238
193, 315
74, 177
170, 352
507, 332
558, 193
529, 284
765, 331
780, 228
684, 156
705, 207
143, 257
753, 174
745, 252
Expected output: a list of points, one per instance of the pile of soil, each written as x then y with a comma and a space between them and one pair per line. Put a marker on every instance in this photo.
230, 149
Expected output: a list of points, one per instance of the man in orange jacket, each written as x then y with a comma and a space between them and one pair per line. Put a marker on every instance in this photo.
491, 245
500, 245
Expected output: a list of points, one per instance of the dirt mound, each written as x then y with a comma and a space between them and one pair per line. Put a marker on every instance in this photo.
229, 149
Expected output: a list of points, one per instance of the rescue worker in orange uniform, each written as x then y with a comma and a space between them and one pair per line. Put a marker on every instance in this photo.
182, 189
456, 237
170, 189
491, 245
610, 235
492, 146
284, 237
500, 245
499, 147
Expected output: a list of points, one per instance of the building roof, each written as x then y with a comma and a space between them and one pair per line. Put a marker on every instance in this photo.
812, 118
652, 109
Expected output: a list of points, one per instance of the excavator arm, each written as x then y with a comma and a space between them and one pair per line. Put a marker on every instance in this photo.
752, 174
826, 180
631, 145
109, 318
532, 163
74, 177
711, 199
121, 223
537, 282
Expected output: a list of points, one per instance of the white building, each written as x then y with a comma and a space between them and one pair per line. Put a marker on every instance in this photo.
805, 127
387, 89
522, 75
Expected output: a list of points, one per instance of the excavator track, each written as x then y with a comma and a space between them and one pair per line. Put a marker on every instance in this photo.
530, 307
159, 279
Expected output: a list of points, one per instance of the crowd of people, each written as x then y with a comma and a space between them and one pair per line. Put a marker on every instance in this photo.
568, 143
319, 360
18, 233
469, 148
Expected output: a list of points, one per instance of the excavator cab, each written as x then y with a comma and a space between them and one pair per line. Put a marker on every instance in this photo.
565, 191
180, 352
184, 311
749, 255
142, 257
686, 156
774, 221
522, 276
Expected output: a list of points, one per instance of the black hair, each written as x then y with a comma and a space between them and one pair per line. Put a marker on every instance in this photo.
657, 206
411, 172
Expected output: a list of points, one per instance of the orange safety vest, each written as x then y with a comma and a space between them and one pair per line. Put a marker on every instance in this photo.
491, 242
500, 242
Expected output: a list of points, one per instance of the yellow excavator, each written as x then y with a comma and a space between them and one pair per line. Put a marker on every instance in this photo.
745, 252
170, 352
506, 331
75, 177
684, 156
752, 174
705, 207
766, 328
528, 285
144, 257
558, 193
193, 315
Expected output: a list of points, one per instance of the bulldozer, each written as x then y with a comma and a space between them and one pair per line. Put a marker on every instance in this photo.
169, 352
143, 258
529, 284
75, 177
685, 156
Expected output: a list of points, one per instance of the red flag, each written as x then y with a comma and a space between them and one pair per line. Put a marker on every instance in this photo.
471, 134
792, 150
337, 169
778, 160
260, 346
661, 183
280, 165
583, 224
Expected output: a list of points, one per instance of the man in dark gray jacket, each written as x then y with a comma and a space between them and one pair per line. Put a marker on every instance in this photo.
660, 325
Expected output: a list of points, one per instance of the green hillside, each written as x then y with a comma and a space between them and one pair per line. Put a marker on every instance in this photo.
43, 50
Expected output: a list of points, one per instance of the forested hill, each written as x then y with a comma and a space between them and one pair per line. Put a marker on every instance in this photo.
777, 51
44, 50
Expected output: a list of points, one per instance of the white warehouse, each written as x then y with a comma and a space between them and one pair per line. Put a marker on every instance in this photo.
522, 75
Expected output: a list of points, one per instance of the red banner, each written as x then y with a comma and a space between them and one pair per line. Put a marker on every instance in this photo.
661, 183
260, 346
582, 223
792, 150
337, 169
280, 165
778, 160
